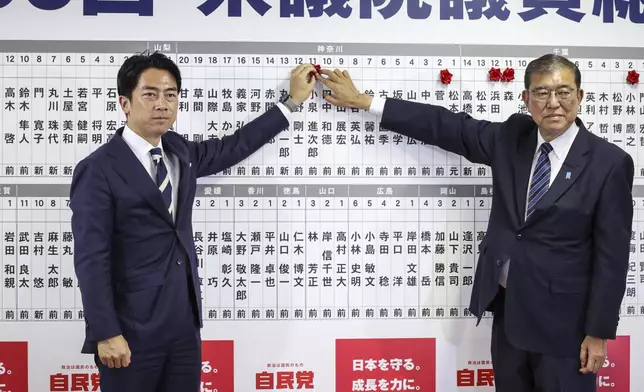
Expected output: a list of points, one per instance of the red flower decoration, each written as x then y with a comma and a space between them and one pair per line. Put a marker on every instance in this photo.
633, 77
317, 68
494, 75
508, 74
446, 77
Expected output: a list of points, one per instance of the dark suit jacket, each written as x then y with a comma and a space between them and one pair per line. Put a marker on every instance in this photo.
570, 258
129, 254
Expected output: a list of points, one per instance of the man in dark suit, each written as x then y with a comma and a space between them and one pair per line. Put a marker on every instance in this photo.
131, 204
552, 266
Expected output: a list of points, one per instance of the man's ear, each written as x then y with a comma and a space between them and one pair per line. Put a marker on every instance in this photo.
125, 104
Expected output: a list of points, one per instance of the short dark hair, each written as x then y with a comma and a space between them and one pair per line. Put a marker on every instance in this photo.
133, 67
549, 63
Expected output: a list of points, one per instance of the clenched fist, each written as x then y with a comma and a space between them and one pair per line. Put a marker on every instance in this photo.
114, 352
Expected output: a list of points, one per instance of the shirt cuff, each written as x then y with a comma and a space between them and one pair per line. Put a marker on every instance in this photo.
377, 105
284, 109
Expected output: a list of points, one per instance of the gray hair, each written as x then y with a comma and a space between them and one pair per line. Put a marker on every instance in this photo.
547, 64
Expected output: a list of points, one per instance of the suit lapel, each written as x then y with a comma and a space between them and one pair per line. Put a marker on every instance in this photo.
134, 174
571, 169
525, 155
180, 151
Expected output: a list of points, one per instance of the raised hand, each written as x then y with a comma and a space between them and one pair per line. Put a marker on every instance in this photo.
301, 83
344, 92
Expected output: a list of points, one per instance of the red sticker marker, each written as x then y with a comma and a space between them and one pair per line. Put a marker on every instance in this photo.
317, 68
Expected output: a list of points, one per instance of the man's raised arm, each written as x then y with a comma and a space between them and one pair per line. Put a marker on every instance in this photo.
215, 155
458, 133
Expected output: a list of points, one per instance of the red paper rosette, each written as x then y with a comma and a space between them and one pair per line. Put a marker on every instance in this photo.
633, 77
494, 74
446, 76
508, 74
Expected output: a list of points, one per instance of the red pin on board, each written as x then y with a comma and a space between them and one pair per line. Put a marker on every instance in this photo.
317, 68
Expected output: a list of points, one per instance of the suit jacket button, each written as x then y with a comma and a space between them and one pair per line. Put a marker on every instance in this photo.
178, 262
498, 262
519, 237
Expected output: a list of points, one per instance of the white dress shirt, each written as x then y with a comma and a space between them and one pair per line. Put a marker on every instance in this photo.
141, 148
560, 147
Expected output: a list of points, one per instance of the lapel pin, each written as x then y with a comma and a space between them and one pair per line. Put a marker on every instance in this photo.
567, 175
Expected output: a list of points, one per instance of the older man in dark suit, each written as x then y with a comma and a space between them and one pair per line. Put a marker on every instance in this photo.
131, 204
553, 264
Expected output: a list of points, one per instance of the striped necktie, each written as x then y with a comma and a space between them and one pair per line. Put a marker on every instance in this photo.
540, 178
163, 178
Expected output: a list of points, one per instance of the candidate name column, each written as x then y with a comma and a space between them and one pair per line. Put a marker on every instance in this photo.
291, 206
328, 258
9, 78
9, 294
2, 134
52, 287
201, 238
214, 210
635, 279
257, 274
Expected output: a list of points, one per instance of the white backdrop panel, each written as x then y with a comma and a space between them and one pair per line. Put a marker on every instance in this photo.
337, 243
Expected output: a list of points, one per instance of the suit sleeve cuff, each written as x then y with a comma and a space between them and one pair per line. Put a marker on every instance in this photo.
377, 106
101, 332
285, 111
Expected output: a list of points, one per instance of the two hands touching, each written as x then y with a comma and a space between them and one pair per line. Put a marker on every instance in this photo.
343, 92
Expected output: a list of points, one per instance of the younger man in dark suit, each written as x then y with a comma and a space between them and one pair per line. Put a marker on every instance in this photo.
553, 264
131, 204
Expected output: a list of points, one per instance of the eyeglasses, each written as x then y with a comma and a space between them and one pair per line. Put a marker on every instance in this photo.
543, 94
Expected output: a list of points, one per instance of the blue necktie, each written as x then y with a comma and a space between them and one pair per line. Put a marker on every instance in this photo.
163, 179
540, 178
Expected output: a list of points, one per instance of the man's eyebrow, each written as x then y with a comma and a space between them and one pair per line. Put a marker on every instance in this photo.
556, 87
146, 87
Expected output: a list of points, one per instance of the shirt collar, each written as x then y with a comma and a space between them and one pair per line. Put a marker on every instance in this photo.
561, 144
140, 146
